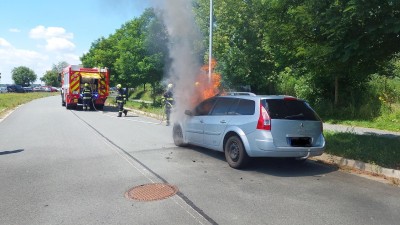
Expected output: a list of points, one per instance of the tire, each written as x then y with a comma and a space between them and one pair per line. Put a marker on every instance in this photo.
99, 107
69, 106
235, 154
177, 135
62, 100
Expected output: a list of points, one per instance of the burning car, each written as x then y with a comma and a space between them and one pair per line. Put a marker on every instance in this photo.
245, 125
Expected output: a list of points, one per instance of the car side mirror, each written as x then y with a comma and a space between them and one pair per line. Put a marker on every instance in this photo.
188, 112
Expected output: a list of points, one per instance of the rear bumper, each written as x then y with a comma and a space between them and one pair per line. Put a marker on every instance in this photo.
279, 152
265, 147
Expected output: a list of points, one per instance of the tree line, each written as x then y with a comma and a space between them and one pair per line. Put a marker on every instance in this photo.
25, 76
326, 52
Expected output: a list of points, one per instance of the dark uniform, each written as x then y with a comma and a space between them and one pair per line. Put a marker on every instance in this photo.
121, 100
87, 97
169, 102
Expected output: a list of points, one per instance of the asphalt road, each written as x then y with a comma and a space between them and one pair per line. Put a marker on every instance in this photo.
73, 167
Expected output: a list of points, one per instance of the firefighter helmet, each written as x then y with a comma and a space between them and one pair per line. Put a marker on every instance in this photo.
86, 85
118, 86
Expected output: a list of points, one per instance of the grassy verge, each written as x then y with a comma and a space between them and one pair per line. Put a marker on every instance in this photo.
388, 120
372, 149
9, 101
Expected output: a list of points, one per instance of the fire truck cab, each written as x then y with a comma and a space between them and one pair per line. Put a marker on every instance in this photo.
73, 79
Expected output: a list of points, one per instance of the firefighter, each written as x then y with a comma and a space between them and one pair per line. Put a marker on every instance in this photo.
168, 101
87, 96
121, 100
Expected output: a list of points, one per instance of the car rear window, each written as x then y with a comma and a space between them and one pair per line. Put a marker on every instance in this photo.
289, 109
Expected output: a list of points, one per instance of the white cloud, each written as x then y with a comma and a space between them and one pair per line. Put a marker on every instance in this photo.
41, 32
57, 38
4, 43
56, 44
14, 30
53, 45
11, 57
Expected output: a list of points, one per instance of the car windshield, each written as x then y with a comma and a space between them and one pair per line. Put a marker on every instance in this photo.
289, 109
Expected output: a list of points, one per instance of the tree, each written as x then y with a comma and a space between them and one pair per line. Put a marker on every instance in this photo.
155, 49
237, 43
60, 66
50, 78
142, 50
23, 76
337, 44
103, 53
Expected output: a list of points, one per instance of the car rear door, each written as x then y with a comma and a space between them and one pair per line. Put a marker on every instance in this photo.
293, 123
215, 123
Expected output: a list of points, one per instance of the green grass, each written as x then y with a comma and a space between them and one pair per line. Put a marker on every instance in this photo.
9, 101
388, 120
146, 107
372, 149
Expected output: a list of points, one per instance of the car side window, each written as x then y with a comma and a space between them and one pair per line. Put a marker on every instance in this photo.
245, 107
223, 106
205, 107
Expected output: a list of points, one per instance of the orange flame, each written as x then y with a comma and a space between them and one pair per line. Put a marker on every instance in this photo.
205, 86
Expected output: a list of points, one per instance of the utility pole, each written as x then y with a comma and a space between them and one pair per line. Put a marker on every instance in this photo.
210, 42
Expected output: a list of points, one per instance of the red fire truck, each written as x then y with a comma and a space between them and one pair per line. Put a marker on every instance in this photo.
73, 79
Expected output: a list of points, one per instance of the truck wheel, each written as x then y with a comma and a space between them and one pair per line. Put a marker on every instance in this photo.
68, 106
62, 100
99, 107
235, 154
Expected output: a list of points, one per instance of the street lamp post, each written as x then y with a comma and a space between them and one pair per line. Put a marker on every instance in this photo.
210, 42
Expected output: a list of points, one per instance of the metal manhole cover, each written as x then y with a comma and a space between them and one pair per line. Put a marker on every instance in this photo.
151, 192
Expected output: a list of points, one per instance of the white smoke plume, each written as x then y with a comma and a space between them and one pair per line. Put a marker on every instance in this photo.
179, 19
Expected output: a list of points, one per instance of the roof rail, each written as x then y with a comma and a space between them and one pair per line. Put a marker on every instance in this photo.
241, 93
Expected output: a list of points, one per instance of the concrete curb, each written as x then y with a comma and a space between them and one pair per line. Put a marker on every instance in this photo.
7, 113
361, 166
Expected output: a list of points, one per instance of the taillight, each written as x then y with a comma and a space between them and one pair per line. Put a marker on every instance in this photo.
264, 121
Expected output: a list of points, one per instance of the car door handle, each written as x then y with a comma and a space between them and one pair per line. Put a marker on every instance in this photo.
222, 121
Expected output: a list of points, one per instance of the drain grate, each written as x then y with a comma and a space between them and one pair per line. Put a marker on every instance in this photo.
151, 192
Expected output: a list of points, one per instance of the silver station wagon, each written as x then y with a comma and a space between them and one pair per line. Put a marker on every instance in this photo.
245, 125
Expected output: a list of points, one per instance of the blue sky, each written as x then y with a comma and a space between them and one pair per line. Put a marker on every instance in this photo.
38, 34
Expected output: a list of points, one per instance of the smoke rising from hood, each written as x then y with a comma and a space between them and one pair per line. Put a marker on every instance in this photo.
183, 33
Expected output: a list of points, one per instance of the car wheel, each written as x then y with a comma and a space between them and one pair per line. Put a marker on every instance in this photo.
177, 135
235, 154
